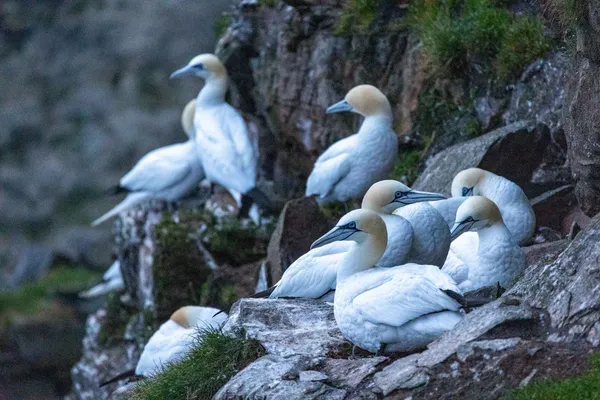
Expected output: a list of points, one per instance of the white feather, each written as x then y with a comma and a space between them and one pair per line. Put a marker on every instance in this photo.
112, 281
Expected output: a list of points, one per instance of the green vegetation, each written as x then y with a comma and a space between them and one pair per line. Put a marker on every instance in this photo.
570, 13
221, 24
31, 297
407, 166
214, 360
583, 387
268, 3
459, 33
357, 16
117, 317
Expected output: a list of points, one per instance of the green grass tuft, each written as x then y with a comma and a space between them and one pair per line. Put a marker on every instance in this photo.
583, 387
214, 360
407, 166
357, 16
221, 24
459, 33
30, 297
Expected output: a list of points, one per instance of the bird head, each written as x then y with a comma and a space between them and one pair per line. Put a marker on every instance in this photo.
468, 182
199, 317
365, 100
388, 195
474, 214
356, 226
205, 66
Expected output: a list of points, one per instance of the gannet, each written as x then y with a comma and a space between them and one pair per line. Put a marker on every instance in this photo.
350, 166
167, 173
112, 281
417, 233
494, 258
174, 339
508, 196
229, 155
397, 309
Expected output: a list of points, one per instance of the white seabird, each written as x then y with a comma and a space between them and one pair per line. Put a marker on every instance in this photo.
397, 309
494, 258
417, 233
229, 155
112, 281
350, 166
174, 340
167, 173
508, 196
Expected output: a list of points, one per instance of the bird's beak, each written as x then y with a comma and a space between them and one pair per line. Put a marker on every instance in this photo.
342, 106
415, 196
185, 71
337, 234
459, 228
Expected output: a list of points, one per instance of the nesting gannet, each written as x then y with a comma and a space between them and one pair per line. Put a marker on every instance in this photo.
174, 339
229, 155
508, 196
350, 166
167, 173
401, 308
418, 233
112, 281
494, 258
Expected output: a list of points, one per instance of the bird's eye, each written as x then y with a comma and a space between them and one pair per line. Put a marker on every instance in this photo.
399, 194
352, 225
199, 66
465, 191
469, 219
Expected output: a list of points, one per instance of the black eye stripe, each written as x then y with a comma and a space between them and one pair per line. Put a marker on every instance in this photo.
199, 66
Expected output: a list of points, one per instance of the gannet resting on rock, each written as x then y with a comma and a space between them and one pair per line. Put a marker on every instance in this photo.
112, 281
418, 233
167, 173
396, 309
229, 155
495, 258
350, 166
508, 196
174, 339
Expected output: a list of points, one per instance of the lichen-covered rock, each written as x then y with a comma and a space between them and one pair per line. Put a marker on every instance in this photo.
520, 143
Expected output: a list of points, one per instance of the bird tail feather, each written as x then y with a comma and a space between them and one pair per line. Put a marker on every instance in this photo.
126, 374
103, 288
264, 293
255, 195
130, 201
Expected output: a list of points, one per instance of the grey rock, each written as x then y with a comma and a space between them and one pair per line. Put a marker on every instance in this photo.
288, 327
496, 151
275, 378
486, 108
34, 262
350, 373
464, 352
540, 255
300, 223
311, 376
553, 207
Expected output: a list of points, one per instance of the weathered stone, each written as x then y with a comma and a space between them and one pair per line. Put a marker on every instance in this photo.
464, 352
540, 255
277, 378
301, 222
582, 128
553, 207
487, 108
288, 327
498, 151
350, 373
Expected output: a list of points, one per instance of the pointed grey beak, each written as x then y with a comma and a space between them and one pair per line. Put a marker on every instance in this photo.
459, 228
342, 106
187, 70
415, 196
337, 234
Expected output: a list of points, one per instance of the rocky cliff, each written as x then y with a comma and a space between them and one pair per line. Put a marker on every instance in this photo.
288, 61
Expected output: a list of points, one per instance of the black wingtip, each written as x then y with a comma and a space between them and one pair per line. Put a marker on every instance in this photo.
114, 190
460, 299
127, 374
263, 294
255, 195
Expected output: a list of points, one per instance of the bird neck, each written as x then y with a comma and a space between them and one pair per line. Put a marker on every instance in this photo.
362, 256
213, 92
375, 123
492, 234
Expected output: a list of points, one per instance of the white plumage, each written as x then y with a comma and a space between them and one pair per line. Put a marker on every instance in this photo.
350, 166
112, 281
172, 341
488, 255
167, 173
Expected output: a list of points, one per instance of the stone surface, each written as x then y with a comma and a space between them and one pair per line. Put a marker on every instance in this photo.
497, 151
288, 327
300, 223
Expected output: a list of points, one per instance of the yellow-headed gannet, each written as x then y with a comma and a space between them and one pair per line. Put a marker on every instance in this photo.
397, 309
229, 155
167, 173
508, 196
112, 281
495, 258
350, 166
174, 339
417, 233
